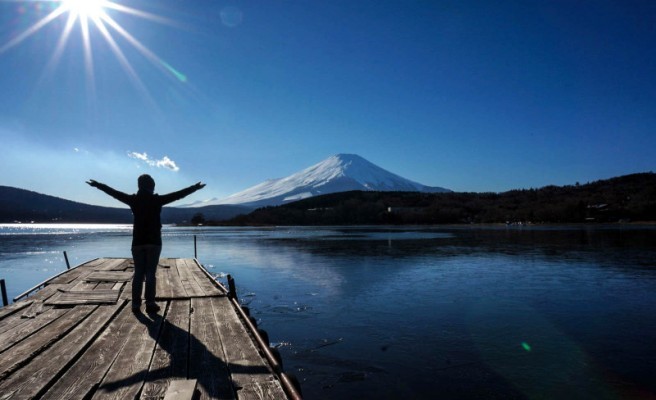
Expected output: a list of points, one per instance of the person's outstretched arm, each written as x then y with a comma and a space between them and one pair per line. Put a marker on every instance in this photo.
120, 196
171, 197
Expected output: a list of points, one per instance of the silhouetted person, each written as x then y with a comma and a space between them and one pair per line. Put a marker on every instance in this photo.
146, 208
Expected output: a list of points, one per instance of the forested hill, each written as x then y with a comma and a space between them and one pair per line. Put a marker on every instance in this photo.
19, 205
625, 198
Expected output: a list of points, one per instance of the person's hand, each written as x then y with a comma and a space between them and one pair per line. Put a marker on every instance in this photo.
93, 183
199, 185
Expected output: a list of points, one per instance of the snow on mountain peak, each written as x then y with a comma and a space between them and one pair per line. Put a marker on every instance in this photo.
338, 173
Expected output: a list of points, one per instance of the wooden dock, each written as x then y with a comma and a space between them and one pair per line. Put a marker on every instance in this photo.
78, 338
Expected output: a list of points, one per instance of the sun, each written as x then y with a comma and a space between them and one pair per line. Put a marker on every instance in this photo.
86, 8
95, 18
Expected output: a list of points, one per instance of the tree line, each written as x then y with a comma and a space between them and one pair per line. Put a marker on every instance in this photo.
626, 198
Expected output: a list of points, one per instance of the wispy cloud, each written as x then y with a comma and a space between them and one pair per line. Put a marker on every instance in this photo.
164, 162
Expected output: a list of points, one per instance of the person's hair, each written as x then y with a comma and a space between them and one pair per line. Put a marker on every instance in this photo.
146, 182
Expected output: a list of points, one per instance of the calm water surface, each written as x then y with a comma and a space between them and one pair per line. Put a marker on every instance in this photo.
417, 313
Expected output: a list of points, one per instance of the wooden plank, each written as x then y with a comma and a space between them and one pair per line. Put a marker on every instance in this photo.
13, 308
246, 364
107, 286
73, 274
28, 327
164, 285
262, 390
206, 351
85, 297
172, 352
34, 379
180, 267
48, 291
125, 378
12, 322
83, 377
109, 276
93, 263
126, 293
177, 289
203, 281
181, 389
112, 264
35, 309
190, 285
29, 348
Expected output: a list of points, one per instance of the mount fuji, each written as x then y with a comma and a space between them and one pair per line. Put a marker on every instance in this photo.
339, 173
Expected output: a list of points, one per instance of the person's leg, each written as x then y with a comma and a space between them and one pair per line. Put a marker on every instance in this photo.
139, 257
153, 254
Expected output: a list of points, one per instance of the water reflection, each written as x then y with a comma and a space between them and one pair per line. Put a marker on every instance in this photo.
388, 312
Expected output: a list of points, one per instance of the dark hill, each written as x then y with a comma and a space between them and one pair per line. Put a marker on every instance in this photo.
630, 197
19, 205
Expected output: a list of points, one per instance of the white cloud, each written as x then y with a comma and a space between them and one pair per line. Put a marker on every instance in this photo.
164, 162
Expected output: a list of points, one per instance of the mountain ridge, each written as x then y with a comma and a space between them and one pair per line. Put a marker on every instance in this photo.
338, 173
628, 197
21, 205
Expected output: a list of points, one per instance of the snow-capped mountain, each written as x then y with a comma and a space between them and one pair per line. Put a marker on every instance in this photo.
339, 173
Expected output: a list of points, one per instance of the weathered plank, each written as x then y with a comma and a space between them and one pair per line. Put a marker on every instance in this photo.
207, 361
181, 390
80, 285
172, 352
33, 379
191, 287
108, 286
48, 291
126, 293
13, 308
206, 285
126, 376
35, 309
73, 297
24, 351
82, 378
109, 276
93, 263
244, 360
74, 274
112, 264
262, 390
164, 285
177, 288
28, 327
11, 323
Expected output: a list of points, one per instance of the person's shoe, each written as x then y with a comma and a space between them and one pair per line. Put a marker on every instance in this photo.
136, 307
152, 308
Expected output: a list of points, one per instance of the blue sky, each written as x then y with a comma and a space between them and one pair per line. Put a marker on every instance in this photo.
468, 95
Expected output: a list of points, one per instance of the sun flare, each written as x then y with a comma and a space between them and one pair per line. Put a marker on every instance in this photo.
95, 20
85, 8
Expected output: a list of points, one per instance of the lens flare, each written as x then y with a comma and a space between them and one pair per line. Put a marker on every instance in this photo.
95, 15
85, 8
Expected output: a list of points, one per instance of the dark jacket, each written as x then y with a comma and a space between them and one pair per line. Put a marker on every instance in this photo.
146, 209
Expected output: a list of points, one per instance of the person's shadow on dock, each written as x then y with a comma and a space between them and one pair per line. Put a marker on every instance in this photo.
188, 358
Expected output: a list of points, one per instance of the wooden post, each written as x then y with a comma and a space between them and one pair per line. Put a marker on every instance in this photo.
68, 266
3, 289
195, 252
232, 292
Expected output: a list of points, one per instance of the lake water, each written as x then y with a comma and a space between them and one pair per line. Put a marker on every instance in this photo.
417, 313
